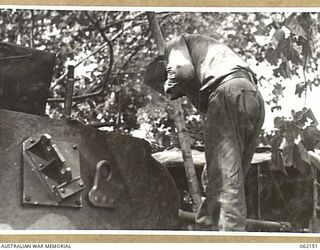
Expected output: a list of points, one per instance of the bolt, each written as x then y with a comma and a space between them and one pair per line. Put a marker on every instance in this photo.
27, 198
65, 170
75, 146
104, 199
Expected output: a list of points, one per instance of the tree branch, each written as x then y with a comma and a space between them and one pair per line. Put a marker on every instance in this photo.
107, 73
124, 65
134, 18
132, 55
63, 76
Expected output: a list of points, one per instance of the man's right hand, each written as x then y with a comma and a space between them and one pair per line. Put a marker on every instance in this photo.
173, 90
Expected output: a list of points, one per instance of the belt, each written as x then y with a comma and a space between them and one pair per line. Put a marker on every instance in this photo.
237, 74
208, 88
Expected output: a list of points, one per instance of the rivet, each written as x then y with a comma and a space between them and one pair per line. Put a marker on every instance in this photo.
40, 165
77, 203
32, 140
81, 184
96, 198
104, 199
75, 146
27, 198
62, 190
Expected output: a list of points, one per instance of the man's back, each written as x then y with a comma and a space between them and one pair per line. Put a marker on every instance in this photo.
210, 58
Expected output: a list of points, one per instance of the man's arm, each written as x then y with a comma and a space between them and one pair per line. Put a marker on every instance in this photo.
180, 69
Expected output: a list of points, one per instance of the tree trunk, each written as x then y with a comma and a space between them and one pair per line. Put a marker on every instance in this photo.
177, 114
184, 139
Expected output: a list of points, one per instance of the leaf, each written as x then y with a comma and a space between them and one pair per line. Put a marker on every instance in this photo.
308, 49
300, 159
276, 72
279, 122
287, 153
305, 20
285, 70
272, 56
296, 28
277, 161
298, 48
311, 138
277, 107
278, 89
278, 36
309, 114
300, 87
301, 117
289, 134
292, 54
296, 115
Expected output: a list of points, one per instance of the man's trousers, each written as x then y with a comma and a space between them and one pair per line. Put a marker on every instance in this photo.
233, 123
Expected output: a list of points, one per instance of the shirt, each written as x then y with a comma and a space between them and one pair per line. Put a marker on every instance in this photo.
196, 60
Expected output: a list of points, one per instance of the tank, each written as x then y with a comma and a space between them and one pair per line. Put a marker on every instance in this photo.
58, 174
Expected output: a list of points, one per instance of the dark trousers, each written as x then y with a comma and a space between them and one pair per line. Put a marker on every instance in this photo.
233, 123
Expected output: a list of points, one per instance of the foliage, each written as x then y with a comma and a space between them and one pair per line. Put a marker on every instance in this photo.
297, 47
292, 140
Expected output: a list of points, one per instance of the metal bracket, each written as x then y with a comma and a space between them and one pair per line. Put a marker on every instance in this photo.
51, 173
99, 195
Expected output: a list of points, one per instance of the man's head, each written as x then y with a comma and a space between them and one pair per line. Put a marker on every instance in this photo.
156, 78
156, 74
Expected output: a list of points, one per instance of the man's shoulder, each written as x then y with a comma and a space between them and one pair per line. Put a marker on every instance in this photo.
188, 36
191, 41
199, 37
